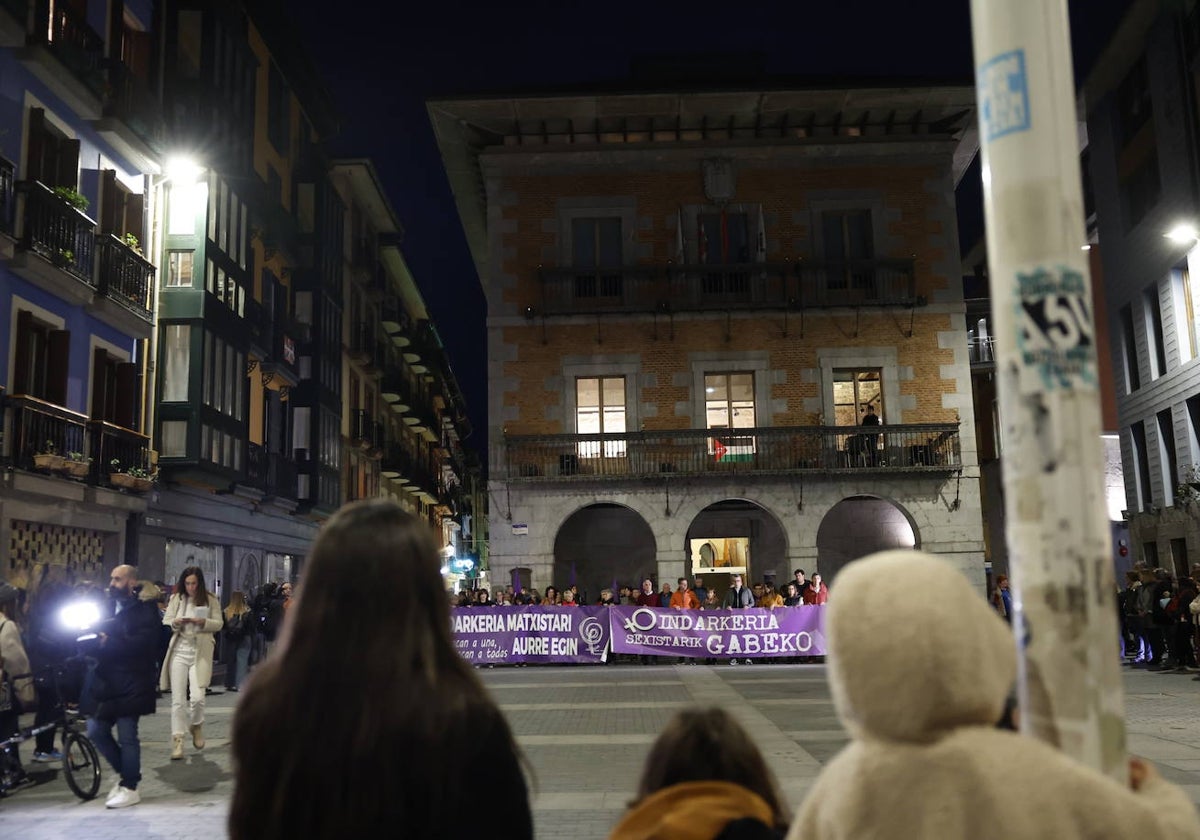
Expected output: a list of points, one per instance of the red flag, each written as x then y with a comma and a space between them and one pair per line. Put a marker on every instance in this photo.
718, 450
701, 241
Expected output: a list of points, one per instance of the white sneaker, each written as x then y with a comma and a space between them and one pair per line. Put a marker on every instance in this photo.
113, 791
123, 798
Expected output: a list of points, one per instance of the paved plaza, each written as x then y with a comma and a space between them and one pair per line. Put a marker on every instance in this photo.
586, 731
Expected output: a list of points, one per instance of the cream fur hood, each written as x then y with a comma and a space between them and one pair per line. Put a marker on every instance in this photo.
919, 668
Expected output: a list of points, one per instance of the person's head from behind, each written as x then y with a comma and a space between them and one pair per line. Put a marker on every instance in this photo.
372, 585
708, 745
390, 609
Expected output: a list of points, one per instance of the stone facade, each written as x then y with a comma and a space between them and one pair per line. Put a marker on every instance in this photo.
786, 188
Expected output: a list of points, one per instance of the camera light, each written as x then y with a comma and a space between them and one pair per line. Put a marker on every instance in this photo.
79, 615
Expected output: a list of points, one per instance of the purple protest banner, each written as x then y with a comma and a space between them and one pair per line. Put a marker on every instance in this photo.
512, 635
786, 631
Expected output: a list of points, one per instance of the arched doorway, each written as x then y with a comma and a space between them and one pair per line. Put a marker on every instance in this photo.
736, 534
600, 544
858, 526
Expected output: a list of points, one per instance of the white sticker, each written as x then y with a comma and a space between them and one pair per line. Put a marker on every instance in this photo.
1056, 347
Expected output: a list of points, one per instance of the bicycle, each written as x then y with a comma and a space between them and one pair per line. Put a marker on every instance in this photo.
80, 762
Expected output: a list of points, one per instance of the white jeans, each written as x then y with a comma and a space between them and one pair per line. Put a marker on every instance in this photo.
185, 711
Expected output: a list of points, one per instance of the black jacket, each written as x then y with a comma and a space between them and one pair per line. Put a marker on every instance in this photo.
125, 680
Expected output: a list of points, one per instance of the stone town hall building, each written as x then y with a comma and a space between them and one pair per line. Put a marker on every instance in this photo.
694, 300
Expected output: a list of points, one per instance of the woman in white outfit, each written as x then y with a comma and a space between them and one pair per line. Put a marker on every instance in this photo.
195, 616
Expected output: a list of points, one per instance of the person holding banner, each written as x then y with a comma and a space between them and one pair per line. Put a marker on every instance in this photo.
390, 740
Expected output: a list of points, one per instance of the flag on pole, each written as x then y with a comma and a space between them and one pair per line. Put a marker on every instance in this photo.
701, 241
760, 246
679, 255
724, 236
571, 581
516, 581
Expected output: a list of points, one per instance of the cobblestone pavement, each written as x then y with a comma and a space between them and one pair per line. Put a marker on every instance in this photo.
586, 731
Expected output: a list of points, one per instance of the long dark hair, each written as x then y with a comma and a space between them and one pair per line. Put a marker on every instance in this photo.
366, 716
708, 745
201, 599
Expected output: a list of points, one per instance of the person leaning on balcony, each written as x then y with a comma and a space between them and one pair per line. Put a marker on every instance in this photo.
326, 748
926, 760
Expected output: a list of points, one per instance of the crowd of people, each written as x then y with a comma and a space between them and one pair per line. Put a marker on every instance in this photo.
687, 595
318, 734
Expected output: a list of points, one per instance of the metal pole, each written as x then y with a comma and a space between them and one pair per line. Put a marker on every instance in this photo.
1069, 682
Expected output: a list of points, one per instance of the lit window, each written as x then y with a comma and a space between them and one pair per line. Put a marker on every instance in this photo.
600, 410
729, 404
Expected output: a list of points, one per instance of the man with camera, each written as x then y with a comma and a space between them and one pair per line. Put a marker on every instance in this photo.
123, 684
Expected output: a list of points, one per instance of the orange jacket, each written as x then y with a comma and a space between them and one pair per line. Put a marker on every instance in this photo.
684, 600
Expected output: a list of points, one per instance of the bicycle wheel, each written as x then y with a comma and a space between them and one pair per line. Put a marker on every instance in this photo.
81, 765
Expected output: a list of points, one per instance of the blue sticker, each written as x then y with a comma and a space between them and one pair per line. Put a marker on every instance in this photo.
1003, 90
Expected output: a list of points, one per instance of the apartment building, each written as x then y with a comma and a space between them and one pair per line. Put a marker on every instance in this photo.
79, 134
1141, 104
403, 417
726, 329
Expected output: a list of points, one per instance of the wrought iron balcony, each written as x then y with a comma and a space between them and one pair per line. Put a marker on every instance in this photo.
124, 276
54, 229
917, 448
114, 448
746, 286
270, 472
63, 28
38, 427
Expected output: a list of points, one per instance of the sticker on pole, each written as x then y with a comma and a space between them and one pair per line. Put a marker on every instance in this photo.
1003, 91
1056, 348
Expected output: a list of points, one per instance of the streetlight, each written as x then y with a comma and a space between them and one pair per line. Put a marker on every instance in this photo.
1183, 234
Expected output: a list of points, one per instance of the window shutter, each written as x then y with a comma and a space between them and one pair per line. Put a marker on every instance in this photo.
128, 396
58, 350
99, 385
21, 360
35, 149
110, 203
135, 216
68, 164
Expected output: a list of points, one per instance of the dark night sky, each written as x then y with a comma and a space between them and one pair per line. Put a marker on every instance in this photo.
381, 65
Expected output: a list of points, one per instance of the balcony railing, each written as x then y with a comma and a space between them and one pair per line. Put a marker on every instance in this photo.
751, 286
39, 427
270, 472
880, 282
65, 30
54, 229
125, 276
921, 448
108, 443
365, 432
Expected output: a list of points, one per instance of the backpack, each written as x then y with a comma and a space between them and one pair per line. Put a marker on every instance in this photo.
236, 627
1174, 608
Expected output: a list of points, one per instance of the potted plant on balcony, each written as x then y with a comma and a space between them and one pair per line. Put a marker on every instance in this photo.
73, 197
131, 242
133, 478
48, 458
75, 465
63, 257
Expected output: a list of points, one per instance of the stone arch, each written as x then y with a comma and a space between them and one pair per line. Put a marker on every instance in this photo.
741, 517
601, 543
860, 525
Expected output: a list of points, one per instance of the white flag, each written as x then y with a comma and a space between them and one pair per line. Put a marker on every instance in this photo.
760, 247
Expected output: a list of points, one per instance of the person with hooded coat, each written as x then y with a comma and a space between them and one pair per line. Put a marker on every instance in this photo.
920, 691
